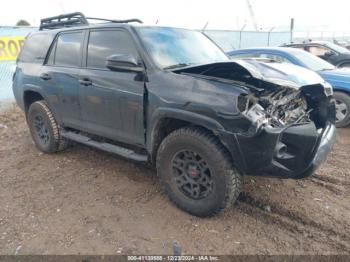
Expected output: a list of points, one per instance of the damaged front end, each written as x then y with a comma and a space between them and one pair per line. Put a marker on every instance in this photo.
288, 113
282, 105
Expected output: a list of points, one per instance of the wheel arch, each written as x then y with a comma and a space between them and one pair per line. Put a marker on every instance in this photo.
342, 62
166, 121
342, 90
345, 122
29, 97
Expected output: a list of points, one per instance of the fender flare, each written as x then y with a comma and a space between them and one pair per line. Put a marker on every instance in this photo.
178, 114
36, 89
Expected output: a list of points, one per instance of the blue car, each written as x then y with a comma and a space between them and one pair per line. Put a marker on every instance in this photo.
338, 78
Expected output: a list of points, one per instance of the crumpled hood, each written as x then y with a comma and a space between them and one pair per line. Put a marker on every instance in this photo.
281, 73
278, 73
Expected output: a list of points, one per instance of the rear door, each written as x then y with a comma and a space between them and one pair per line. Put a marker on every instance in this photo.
61, 76
111, 101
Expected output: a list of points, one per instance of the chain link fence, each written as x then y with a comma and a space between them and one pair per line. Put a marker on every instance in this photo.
231, 40
342, 38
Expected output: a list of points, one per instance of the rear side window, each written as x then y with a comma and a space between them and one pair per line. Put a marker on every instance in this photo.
68, 50
103, 44
35, 48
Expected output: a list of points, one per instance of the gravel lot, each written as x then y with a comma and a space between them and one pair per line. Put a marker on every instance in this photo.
84, 201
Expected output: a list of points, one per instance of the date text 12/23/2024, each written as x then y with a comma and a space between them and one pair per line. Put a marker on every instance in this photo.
173, 258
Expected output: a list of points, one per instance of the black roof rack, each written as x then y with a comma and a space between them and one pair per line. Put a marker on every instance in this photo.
75, 19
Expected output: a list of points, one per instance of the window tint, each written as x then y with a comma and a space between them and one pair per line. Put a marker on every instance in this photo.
103, 44
68, 49
35, 48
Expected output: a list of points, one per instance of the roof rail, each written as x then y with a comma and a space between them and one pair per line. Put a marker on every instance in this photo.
75, 19
116, 21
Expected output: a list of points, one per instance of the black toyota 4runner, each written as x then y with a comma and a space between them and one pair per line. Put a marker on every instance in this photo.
170, 97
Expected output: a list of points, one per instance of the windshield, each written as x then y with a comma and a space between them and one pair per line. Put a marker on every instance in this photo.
337, 48
312, 62
173, 47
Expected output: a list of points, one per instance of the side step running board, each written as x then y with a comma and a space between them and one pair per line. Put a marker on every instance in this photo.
118, 150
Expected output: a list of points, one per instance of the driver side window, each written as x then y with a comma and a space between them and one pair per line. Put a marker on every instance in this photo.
104, 43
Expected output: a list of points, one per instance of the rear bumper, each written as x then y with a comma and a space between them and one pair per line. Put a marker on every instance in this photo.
295, 152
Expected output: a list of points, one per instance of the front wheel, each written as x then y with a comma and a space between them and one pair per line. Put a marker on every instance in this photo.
342, 106
196, 172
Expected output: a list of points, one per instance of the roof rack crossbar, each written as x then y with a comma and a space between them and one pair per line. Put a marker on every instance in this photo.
75, 19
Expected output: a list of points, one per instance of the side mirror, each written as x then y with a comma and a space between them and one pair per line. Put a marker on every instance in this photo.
123, 63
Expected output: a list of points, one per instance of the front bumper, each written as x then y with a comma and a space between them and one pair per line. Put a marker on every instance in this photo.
294, 152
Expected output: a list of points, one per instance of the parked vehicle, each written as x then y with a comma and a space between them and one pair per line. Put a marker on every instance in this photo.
146, 94
336, 55
338, 78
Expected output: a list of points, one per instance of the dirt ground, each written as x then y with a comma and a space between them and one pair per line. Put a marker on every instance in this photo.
84, 201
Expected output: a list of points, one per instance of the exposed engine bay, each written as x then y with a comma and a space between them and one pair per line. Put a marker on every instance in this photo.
277, 109
278, 95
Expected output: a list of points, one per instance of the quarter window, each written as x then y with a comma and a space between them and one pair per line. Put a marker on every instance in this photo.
68, 49
105, 43
35, 48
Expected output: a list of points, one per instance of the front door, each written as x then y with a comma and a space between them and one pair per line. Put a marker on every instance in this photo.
111, 101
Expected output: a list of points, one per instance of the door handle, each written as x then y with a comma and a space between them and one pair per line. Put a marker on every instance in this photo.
85, 82
45, 76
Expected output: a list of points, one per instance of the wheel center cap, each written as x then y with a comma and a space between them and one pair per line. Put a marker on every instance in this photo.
192, 171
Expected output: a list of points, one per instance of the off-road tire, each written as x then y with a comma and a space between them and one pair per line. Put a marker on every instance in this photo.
345, 99
53, 141
227, 181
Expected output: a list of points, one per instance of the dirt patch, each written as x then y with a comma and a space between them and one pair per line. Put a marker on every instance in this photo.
84, 201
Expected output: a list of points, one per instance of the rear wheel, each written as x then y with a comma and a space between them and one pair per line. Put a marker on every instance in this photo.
342, 104
44, 128
196, 172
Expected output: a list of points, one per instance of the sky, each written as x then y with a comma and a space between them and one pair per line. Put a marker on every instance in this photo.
309, 15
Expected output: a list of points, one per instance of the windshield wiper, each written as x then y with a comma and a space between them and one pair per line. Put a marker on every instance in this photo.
177, 66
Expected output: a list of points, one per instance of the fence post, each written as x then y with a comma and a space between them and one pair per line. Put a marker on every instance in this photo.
268, 36
240, 35
291, 29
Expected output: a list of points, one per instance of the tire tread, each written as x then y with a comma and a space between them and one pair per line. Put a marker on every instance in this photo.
233, 178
